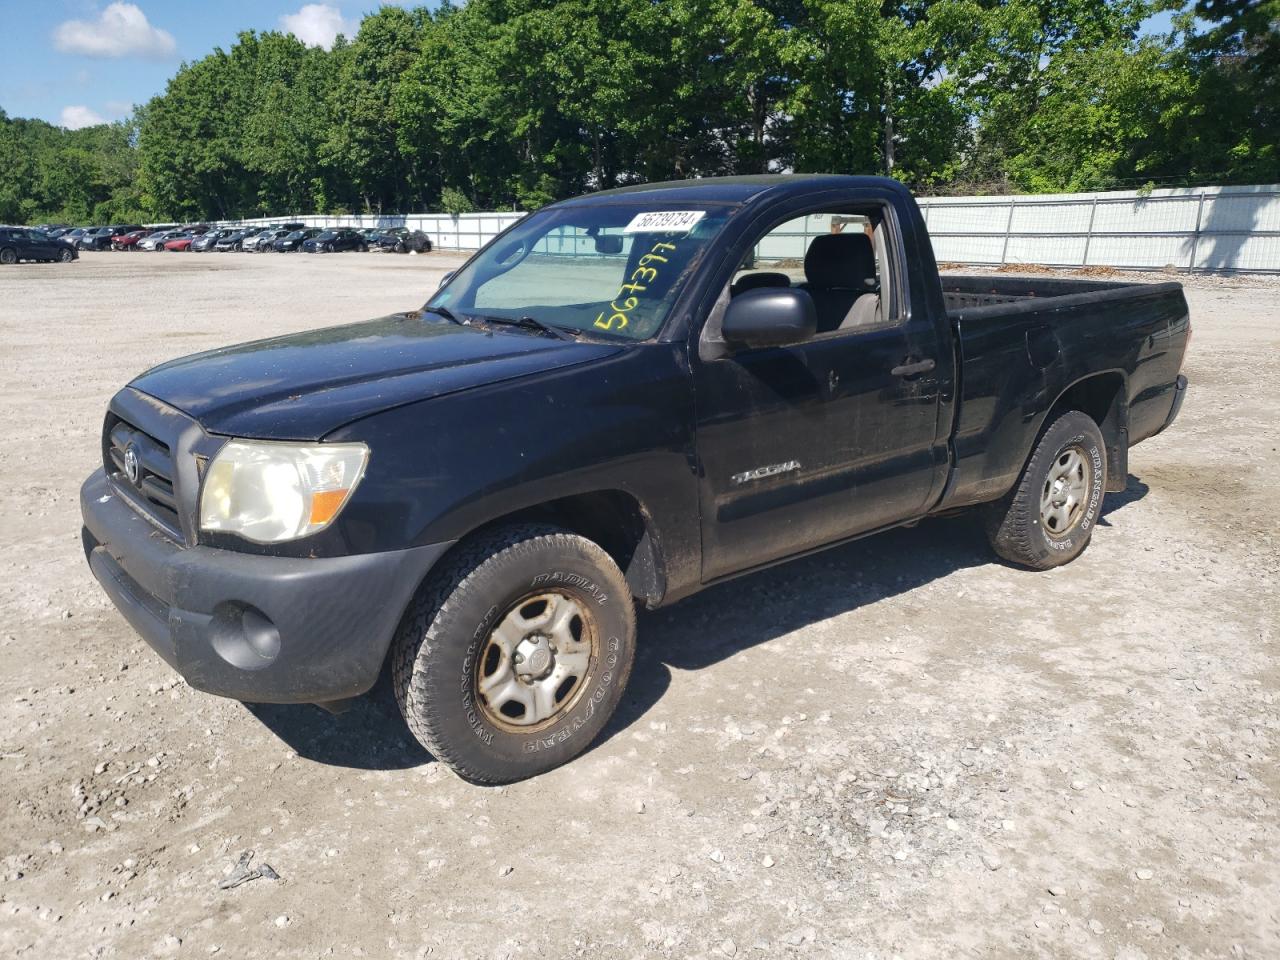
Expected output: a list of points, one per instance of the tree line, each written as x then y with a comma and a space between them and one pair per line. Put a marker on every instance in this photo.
503, 104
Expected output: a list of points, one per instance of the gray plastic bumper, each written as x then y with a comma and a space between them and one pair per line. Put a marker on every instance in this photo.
255, 628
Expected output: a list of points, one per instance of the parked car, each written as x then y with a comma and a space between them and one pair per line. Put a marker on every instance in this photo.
102, 237
263, 242
180, 242
85, 240
129, 241
335, 241
157, 240
403, 240
293, 240
28, 243
235, 239
204, 243
319, 505
73, 236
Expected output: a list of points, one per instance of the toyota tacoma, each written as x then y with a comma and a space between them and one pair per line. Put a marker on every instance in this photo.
622, 399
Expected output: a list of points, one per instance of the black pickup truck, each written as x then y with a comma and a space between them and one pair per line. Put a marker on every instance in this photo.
623, 398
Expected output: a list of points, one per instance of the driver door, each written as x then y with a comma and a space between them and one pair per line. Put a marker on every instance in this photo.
807, 444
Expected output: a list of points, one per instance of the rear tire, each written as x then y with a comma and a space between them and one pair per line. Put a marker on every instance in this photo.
1048, 518
8, 256
515, 653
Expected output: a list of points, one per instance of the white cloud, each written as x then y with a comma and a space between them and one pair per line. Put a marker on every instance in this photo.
77, 117
121, 31
317, 24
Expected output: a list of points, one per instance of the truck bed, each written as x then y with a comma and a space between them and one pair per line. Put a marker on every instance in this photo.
1021, 341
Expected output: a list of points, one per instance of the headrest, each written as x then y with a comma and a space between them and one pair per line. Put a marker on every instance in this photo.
753, 281
841, 261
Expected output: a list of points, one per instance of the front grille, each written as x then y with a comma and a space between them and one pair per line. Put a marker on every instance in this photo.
152, 491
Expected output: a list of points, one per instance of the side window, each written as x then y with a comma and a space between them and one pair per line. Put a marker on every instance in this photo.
840, 257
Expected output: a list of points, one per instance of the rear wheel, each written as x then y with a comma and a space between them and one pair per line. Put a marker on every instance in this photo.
1048, 518
8, 256
515, 653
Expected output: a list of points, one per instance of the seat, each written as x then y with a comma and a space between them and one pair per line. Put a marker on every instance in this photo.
840, 275
753, 281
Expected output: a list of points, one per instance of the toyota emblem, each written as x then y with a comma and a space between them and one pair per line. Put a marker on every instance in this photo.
131, 464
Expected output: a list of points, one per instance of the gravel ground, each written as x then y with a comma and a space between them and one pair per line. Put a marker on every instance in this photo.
897, 748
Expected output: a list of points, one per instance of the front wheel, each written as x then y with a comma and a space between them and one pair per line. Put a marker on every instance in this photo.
515, 653
66, 256
1048, 518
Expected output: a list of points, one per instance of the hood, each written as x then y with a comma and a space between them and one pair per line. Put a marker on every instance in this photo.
306, 385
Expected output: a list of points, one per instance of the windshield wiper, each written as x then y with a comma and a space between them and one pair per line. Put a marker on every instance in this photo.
533, 323
443, 312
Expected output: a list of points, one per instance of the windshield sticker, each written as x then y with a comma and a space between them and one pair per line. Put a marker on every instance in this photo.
619, 319
664, 221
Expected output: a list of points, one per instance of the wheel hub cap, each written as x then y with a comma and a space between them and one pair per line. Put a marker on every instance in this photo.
1066, 490
536, 661
534, 658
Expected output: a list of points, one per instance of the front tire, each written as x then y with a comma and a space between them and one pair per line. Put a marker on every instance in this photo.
1048, 518
515, 653
66, 256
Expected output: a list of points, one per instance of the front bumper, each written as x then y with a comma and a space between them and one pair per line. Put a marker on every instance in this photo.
256, 628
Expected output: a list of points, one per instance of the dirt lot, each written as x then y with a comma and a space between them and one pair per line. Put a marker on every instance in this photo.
897, 748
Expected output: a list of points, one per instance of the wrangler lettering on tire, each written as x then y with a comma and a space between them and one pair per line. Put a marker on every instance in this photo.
515, 652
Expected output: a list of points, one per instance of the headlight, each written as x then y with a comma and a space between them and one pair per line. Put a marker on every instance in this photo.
271, 492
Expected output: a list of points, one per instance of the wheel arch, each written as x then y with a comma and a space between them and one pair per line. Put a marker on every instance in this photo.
1103, 397
614, 519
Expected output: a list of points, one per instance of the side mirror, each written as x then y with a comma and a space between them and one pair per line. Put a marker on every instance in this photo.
608, 243
445, 279
769, 317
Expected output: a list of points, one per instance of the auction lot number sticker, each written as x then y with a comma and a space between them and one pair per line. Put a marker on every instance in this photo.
664, 221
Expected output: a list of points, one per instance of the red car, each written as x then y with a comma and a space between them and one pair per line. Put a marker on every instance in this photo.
180, 243
128, 241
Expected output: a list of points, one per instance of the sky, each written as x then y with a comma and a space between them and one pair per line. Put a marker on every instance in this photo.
80, 62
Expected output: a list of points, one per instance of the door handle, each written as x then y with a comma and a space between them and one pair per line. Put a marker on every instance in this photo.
911, 369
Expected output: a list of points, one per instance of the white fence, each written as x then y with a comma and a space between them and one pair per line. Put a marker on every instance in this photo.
1225, 229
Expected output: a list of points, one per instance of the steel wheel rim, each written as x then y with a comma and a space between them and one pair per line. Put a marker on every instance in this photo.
537, 661
1065, 492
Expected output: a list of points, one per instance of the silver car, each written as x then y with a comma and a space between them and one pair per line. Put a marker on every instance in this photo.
156, 240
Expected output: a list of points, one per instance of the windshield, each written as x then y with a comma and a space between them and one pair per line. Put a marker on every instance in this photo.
607, 269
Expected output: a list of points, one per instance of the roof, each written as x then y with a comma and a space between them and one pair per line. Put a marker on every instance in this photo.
734, 189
